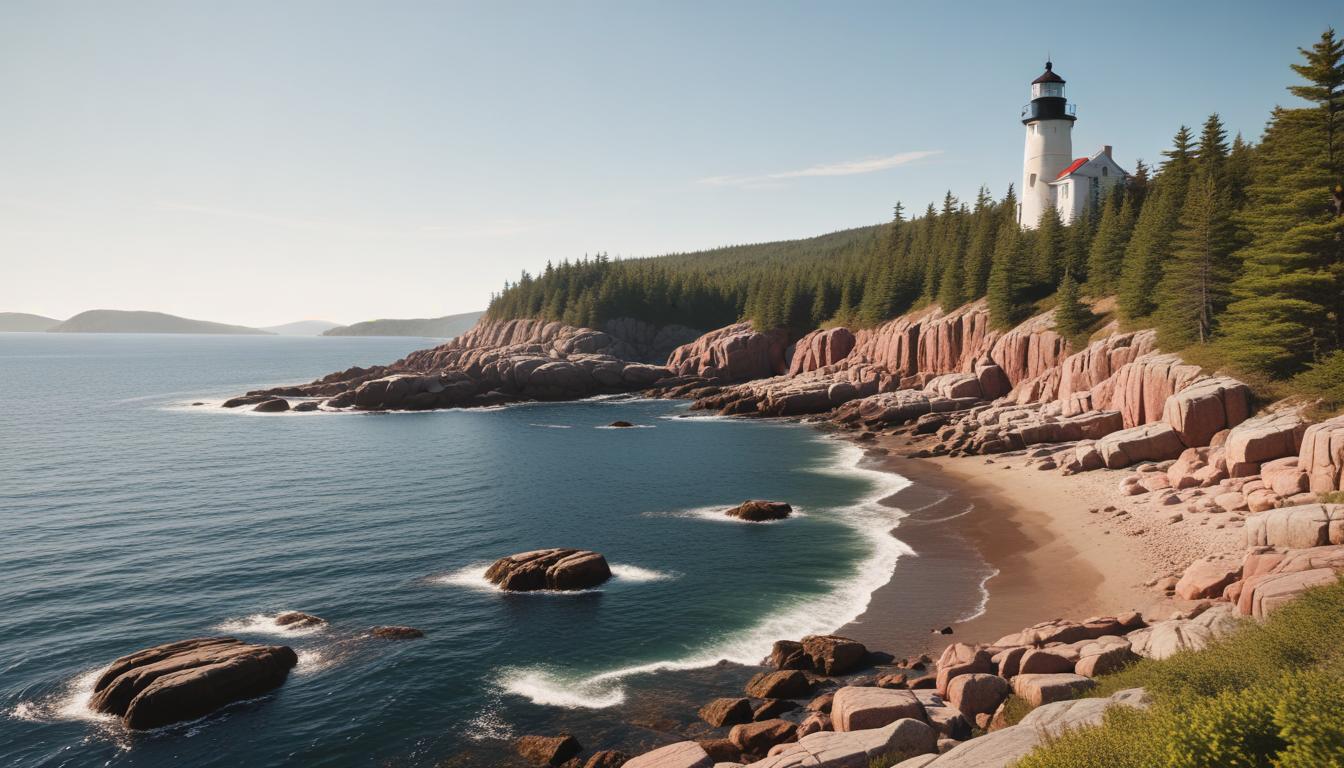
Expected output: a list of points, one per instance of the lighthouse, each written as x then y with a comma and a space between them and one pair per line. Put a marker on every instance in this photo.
1051, 176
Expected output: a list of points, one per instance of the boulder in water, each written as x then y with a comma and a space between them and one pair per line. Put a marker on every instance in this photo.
620, 424
274, 405
548, 750
299, 619
758, 511
189, 679
557, 569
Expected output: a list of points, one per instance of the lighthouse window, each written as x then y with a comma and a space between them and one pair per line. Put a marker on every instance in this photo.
1032, 183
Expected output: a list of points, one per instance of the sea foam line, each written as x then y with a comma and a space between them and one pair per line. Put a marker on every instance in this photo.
264, 624
819, 614
719, 514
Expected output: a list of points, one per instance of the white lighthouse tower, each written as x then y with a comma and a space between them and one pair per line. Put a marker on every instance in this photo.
1049, 119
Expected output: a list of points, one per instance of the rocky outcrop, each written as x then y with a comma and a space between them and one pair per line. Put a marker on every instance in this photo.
1300, 527
820, 349
189, 679
683, 754
759, 511
553, 569
735, 353
299, 619
493, 363
396, 633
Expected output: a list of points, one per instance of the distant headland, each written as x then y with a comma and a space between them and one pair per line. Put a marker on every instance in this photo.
123, 321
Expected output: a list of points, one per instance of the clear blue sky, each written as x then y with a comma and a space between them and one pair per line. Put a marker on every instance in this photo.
261, 162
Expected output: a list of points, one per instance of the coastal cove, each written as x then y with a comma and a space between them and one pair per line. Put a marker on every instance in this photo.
140, 518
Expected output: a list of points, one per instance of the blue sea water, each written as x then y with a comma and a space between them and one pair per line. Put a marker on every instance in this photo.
130, 517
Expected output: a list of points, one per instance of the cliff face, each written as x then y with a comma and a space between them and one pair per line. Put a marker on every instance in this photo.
1115, 402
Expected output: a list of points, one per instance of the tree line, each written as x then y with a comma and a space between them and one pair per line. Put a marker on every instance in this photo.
1231, 246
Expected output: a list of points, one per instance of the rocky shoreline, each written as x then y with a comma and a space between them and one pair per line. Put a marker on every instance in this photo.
1210, 502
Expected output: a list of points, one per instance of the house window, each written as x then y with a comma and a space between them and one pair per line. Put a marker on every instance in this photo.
1064, 191
1105, 171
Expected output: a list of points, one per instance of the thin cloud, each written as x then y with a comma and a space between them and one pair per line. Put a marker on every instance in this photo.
843, 168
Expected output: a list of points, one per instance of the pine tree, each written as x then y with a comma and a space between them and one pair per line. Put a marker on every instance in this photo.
1005, 274
1211, 154
1072, 317
1324, 73
1150, 245
980, 248
950, 286
1107, 253
1289, 307
1194, 287
1047, 262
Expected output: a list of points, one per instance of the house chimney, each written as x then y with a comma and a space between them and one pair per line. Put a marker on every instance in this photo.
1106, 150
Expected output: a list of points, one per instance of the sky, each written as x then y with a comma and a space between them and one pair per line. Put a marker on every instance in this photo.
261, 162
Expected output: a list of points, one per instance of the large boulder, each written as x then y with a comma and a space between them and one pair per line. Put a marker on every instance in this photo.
683, 754
758, 738
1271, 578
1322, 455
1149, 442
1206, 407
784, 684
1005, 746
1046, 689
1207, 579
188, 679
726, 711
1265, 437
834, 655
961, 659
854, 749
556, 569
1166, 638
858, 708
548, 750
1301, 527
977, 693
758, 511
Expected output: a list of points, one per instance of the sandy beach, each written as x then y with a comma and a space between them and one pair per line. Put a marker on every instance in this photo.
1041, 543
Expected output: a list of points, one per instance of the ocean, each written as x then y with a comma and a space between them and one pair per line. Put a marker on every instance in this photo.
131, 517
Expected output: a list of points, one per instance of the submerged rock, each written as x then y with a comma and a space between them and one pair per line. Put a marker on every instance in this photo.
758, 511
396, 633
188, 679
299, 619
558, 569
548, 750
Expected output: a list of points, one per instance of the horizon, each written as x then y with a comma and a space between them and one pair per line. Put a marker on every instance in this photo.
259, 165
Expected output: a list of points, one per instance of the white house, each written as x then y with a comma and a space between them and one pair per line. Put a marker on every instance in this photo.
1051, 175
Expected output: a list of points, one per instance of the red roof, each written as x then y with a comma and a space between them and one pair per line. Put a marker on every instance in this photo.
1075, 165
1049, 75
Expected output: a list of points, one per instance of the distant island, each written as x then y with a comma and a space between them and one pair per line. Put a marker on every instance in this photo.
302, 328
119, 321
22, 322
444, 327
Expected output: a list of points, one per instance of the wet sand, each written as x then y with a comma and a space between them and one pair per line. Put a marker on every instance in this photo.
1027, 535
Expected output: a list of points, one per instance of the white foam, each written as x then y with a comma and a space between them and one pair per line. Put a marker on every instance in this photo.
312, 661
471, 577
70, 703
983, 605
264, 624
847, 599
719, 514
552, 426
636, 575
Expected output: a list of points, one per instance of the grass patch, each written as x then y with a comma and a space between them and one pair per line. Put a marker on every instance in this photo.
1332, 497
1270, 695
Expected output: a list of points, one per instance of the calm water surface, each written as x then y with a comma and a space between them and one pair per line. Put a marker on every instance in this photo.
130, 517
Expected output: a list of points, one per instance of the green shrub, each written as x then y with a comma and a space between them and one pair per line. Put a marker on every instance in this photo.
1269, 695
1324, 379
